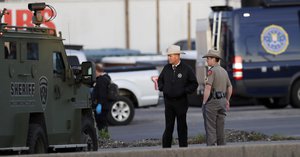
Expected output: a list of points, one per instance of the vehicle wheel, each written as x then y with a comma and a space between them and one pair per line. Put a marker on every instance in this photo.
271, 103
37, 140
121, 112
88, 134
295, 95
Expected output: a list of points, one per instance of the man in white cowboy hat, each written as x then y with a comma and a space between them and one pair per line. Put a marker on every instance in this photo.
176, 80
216, 98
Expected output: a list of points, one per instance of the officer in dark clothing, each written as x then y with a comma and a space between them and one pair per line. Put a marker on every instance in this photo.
176, 81
99, 95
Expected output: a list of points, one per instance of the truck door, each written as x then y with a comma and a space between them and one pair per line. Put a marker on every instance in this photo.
18, 88
61, 108
26, 73
21, 73
13, 100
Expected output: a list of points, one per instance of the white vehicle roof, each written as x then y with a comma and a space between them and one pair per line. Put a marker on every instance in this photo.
79, 54
134, 59
189, 54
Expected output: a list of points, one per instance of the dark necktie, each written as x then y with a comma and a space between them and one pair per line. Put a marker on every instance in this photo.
174, 67
174, 73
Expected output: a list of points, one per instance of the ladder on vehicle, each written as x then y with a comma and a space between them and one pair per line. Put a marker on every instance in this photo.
216, 30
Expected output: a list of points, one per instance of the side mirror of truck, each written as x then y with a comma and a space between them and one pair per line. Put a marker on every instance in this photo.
88, 73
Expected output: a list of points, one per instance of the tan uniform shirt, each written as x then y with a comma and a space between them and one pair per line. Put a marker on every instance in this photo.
218, 78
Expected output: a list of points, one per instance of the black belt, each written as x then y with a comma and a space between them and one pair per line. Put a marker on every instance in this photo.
216, 95
219, 97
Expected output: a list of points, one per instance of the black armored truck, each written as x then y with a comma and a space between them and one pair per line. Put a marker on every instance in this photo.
44, 104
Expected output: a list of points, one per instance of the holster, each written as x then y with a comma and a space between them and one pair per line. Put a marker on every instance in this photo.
216, 95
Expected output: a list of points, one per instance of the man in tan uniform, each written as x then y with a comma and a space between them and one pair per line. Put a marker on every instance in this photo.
217, 93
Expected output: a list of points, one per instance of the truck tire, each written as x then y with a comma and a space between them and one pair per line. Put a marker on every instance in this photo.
88, 134
36, 139
295, 95
272, 104
121, 112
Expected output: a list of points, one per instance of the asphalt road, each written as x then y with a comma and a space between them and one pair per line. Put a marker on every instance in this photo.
148, 123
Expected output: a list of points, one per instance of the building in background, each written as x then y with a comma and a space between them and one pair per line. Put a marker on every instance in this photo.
101, 24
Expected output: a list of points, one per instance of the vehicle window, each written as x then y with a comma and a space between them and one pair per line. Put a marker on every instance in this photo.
32, 51
193, 45
73, 61
10, 50
184, 44
251, 49
58, 64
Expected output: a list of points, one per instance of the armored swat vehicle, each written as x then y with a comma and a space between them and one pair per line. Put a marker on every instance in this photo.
45, 105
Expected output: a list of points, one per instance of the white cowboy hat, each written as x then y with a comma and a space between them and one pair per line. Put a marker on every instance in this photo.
174, 49
213, 53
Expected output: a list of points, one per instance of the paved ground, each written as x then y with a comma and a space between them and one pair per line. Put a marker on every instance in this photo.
149, 123
200, 145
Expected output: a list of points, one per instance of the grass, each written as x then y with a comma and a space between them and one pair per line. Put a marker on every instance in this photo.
200, 138
278, 137
255, 136
104, 134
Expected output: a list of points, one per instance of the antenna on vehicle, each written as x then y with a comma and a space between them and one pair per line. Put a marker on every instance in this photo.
37, 9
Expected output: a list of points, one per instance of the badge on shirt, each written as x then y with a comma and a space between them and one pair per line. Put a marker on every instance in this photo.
179, 75
209, 72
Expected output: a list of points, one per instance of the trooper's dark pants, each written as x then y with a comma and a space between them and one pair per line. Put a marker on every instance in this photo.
214, 113
175, 108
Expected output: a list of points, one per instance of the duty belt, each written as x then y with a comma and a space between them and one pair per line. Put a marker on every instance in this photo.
216, 95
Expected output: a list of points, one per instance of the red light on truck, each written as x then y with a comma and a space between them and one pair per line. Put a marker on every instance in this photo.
237, 67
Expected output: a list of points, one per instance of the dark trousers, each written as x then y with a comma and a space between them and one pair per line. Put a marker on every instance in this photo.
175, 109
101, 119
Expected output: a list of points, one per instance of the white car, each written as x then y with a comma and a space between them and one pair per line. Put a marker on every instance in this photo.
137, 86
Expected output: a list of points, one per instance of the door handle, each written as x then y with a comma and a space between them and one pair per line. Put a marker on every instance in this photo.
57, 93
276, 68
24, 75
264, 69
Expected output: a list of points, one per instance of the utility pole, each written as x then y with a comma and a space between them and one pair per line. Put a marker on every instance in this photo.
127, 32
189, 26
226, 2
157, 28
